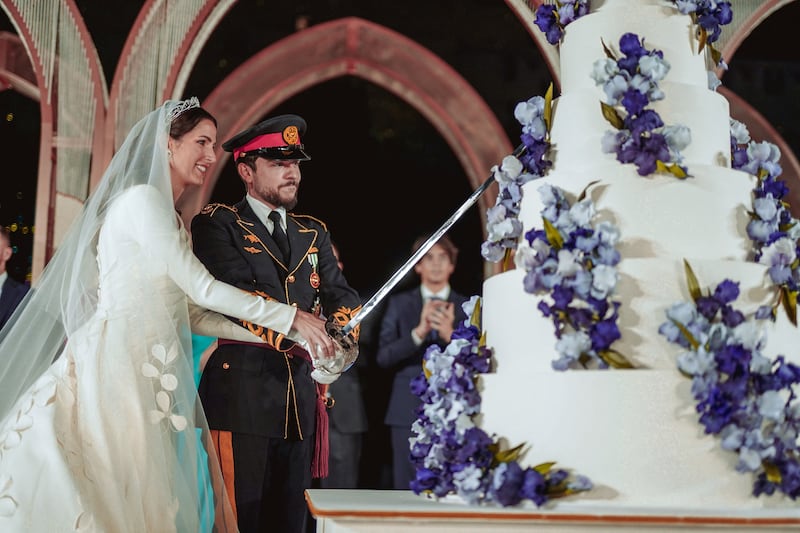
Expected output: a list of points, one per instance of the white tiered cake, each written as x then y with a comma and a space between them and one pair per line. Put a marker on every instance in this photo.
635, 432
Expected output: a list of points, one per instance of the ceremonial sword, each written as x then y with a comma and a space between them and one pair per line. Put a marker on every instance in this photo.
341, 334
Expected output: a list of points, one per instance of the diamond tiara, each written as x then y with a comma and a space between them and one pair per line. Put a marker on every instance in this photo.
182, 106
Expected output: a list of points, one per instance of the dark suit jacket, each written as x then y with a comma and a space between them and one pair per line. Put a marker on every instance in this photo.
12, 295
397, 351
244, 388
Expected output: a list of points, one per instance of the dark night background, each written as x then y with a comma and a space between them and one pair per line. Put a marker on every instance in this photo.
379, 168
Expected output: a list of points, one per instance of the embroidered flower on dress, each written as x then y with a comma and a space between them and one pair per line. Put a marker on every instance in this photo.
7, 504
168, 383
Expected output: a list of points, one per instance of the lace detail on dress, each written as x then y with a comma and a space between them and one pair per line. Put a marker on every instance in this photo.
11, 435
160, 369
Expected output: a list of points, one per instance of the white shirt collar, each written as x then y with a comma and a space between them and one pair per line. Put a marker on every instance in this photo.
262, 211
3, 278
427, 294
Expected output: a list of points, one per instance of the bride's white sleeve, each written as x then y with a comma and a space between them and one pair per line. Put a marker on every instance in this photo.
155, 226
212, 324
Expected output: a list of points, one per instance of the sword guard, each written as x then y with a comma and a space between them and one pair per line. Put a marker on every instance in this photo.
346, 344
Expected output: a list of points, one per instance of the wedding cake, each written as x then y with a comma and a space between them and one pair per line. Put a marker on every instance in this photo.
626, 416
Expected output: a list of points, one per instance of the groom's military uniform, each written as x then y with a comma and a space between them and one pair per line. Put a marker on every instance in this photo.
262, 405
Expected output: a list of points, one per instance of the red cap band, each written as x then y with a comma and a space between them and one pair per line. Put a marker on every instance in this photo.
268, 140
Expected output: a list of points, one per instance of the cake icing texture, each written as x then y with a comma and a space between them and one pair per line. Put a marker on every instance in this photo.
676, 247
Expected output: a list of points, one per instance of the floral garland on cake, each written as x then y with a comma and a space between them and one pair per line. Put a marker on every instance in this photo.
708, 15
630, 84
772, 229
575, 262
502, 220
454, 456
743, 397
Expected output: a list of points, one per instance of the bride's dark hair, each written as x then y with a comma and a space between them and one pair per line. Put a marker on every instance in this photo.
187, 120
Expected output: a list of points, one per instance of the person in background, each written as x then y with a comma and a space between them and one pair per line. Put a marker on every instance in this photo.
414, 320
11, 291
101, 427
266, 404
348, 422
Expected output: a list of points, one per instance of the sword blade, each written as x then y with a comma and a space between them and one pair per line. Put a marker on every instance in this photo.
381, 293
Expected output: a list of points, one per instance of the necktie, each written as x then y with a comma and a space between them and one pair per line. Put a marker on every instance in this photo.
279, 235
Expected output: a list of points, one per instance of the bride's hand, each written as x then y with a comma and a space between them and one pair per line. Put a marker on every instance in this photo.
311, 328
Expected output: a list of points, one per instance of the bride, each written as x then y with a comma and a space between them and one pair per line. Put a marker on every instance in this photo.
101, 429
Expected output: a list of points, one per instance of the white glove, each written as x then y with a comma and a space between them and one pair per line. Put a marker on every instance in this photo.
326, 369
320, 375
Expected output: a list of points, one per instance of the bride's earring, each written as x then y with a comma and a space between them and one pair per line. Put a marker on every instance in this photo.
169, 153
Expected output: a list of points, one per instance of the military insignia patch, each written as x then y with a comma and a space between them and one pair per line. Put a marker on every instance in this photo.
250, 238
290, 135
252, 249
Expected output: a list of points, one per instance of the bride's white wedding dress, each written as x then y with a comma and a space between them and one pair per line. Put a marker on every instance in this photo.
111, 438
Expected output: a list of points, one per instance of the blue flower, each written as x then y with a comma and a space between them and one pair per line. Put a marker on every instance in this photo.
552, 19
742, 397
632, 84
450, 453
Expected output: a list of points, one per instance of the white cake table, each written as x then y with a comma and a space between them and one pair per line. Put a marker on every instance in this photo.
394, 511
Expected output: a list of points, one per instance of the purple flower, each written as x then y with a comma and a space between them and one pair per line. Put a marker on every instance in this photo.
547, 22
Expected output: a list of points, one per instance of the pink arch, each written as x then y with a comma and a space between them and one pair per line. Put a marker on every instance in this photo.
355, 47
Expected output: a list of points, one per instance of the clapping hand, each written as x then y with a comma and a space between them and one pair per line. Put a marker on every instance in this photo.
437, 315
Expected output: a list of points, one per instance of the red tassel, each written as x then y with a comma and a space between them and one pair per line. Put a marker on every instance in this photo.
319, 463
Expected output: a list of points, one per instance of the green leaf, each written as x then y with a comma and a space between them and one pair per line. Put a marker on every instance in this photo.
585, 190
702, 38
506, 456
544, 468
607, 50
789, 300
716, 55
614, 359
548, 107
475, 318
553, 236
687, 335
671, 168
772, 472
691, 281
611, 115
507, 263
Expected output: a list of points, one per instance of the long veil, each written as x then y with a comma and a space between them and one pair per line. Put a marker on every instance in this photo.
65, 297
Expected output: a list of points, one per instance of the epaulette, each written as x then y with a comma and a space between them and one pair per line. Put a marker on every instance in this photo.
211, 209
309, 217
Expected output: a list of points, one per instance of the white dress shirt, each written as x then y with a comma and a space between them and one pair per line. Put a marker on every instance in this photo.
262, 211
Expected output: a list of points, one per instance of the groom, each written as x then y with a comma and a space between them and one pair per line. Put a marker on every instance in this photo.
263, 407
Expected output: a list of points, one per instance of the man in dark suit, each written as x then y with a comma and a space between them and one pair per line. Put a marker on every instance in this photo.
414, 320
11, 291
264, 407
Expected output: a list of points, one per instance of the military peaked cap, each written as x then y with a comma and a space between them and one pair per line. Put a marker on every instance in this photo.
275, 138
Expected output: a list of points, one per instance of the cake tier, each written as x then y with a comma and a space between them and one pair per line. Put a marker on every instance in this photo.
658, 22
524, 342
634, 433
579, 126
703, 217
